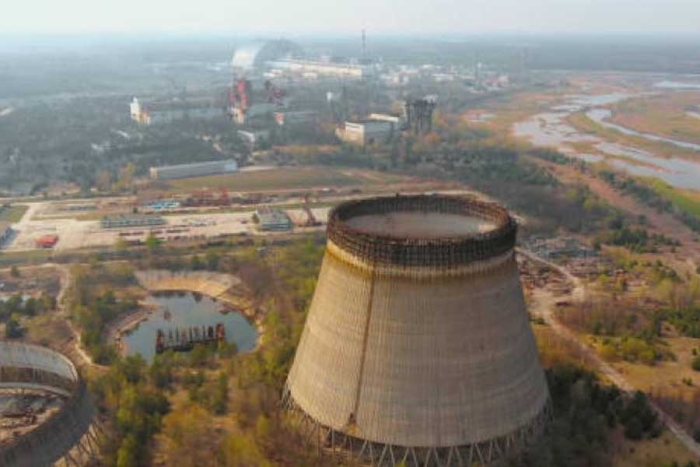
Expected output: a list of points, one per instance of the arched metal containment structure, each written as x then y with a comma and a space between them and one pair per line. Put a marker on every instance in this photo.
418, 346
70, 429
254, 56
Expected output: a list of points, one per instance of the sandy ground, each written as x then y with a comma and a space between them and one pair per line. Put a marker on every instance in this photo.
75, 234
63, 218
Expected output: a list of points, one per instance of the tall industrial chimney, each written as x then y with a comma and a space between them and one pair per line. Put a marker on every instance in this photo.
364, 44
417, 346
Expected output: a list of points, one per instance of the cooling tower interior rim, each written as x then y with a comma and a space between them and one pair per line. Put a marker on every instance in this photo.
27, 366
406, 245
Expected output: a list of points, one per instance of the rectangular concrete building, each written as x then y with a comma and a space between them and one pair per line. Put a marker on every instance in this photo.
366, 132
271, 220
154, 112
128, 221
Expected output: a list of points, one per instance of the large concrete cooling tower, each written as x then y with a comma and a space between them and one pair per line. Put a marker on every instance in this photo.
417, 347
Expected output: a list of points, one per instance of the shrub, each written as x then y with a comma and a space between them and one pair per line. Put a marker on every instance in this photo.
633, 429
696, 364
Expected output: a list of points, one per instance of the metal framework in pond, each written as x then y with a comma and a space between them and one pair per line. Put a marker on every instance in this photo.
183, 339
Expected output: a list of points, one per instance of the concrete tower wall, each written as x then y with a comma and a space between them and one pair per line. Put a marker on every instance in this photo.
418, 343
413, 360
71, 428
418, 346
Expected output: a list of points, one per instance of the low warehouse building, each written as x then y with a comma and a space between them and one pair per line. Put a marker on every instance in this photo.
366, 131
198, 169
169, 111
271, 220
122, 221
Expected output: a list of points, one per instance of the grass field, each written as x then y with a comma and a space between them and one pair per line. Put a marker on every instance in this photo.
667, 376
508, 109
27, 257
284, 178
587, 147
663, 115
12, 213
582, 123
625, 453
650, 453
685, 200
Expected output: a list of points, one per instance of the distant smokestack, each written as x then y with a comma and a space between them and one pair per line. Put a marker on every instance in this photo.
364, 44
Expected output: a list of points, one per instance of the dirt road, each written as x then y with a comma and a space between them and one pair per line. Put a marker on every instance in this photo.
66, 282
542, 306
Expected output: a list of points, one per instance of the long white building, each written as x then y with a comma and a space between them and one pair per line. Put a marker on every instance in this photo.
150, 113
309, 67
198, 169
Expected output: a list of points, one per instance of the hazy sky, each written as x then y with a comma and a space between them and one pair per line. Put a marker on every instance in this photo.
345, 16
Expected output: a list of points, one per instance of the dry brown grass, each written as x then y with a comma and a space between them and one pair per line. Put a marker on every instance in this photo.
663, 115
554, 350
666, 377
284, 178
624, 453
583, 124
649, 453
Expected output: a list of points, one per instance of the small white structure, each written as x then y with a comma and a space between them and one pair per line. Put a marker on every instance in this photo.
295, 117
198, 169
253, 137
396, 119
136, 111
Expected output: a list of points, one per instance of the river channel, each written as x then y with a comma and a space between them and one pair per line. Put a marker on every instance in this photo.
550, 129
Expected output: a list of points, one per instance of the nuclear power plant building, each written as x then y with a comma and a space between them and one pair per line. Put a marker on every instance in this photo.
418, 346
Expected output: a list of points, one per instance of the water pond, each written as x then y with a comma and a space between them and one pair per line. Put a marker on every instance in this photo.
183, 310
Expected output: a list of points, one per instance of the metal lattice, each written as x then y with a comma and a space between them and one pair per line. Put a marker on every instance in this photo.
338, 443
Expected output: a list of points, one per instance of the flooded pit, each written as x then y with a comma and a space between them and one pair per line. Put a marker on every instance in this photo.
181, 310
